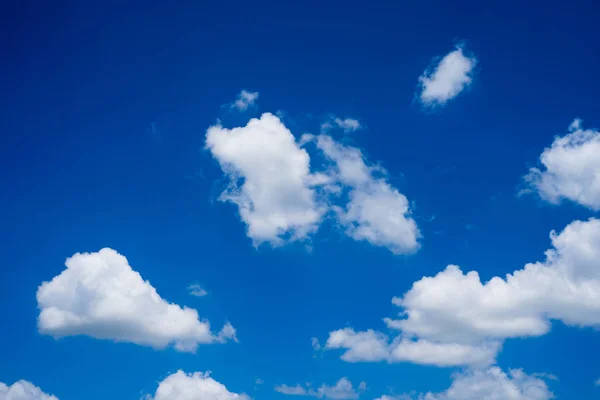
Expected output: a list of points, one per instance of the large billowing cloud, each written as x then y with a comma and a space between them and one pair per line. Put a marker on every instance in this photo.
342, 390
196, 386
488, 384
270, 179
101, 296
447, 79
455, 319
571, 168
280, 199
23, 390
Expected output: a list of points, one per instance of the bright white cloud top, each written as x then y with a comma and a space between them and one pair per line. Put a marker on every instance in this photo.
455, 319
571, 168
23, 390
182, 386
488, 384
276, 198
101, 296
342, 390
447, 79
245, 100
280, 199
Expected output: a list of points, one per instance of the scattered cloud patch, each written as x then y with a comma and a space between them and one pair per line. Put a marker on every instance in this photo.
342, 390
447, 79
259, 381
197, 290
454, 319
101, 296
23, 390
270, 180
315, 344
182, 386
245, 100
570, 169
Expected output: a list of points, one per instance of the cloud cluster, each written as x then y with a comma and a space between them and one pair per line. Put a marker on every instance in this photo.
342, 390
447, 79
23, 390
571, 168
454, 319
182, 386
101, 296
280, 199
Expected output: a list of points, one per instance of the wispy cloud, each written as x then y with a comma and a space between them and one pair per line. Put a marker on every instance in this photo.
245, 100
197, 290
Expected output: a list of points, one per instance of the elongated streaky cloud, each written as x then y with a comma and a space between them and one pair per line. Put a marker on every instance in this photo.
570, 169
23, 390
198, 385
245, 100
269, 179
447, 79
101, 296
454, 319
346, 124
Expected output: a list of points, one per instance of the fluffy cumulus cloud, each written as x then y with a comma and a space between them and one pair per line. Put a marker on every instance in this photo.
245, 100
23, 390
454, 318
280, 199
488, 384
182, 386
447, 79
101, 296
570, 168
376, 212
270, 179
342, 390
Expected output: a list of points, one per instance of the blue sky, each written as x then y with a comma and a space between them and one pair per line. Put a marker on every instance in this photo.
389, 141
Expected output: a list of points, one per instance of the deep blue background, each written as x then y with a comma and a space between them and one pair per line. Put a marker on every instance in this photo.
82, 168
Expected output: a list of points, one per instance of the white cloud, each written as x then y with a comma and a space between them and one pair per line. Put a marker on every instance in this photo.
101, 296
449, 77
197, 290
455, 319
597, 383
23, 390
182, 386
494, 384
376, 212
372, 346
487, 384
342, 390
297, 390
244, 100
346, 124
571, 169
275, 197
315, 344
